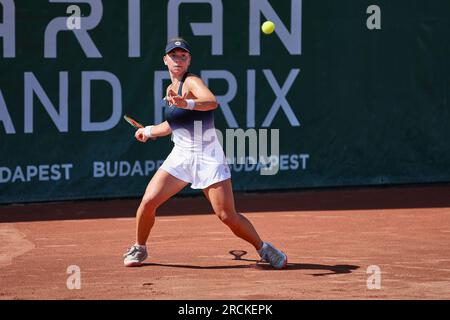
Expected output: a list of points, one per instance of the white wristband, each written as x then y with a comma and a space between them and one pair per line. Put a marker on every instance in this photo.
190, 104
148, 131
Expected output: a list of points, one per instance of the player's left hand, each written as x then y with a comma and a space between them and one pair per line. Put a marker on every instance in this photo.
175, 100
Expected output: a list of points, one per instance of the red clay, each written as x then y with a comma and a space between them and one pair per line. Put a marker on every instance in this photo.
330, 251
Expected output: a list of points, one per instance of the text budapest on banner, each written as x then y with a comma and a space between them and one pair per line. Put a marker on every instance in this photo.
340, 94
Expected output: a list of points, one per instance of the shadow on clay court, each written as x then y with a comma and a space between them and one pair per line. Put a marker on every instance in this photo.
332, 269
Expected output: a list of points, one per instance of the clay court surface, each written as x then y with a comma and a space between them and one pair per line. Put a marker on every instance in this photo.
331, 238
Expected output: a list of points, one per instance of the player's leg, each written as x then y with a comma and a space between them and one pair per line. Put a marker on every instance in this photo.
161, 187
220, 195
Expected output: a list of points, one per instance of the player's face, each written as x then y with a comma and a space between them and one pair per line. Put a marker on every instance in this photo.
177, 61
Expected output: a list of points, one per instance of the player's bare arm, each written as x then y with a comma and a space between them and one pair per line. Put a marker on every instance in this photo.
159, 130
196, 90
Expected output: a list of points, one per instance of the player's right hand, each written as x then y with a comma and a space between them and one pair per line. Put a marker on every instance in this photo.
140, 136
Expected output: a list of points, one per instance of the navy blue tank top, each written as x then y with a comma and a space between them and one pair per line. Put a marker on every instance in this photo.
188, 126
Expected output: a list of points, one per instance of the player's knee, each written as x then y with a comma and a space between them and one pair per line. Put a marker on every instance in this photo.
227, 217
149, 203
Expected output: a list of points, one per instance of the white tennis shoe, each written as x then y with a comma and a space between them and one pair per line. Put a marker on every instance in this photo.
272, 255
135, 256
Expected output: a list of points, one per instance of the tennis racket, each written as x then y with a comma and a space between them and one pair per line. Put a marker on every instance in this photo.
133, 122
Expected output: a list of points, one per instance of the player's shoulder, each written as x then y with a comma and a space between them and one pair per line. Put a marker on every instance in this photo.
193, 78
190, 75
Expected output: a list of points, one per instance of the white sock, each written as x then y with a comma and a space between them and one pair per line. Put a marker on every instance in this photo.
262, 248
143, 247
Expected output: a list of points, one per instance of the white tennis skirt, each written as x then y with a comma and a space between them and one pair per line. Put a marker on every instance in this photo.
197, 168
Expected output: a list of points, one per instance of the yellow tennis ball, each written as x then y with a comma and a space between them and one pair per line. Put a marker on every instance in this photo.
268, 27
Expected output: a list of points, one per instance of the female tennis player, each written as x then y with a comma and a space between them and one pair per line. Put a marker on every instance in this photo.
194, 159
